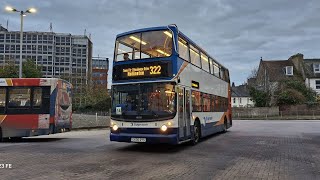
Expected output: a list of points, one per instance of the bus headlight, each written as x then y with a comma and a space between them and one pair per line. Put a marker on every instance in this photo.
163, 128
115, 127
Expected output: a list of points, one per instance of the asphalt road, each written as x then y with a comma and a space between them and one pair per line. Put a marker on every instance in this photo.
250, 150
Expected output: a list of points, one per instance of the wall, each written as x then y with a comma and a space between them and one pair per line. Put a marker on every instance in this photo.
89, 121
255, 112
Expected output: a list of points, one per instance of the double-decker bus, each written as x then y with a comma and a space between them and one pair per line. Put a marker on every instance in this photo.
166, 89
34, 106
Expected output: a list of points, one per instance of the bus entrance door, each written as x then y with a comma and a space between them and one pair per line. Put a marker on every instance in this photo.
184, 113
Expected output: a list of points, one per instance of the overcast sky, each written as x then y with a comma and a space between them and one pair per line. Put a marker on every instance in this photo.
235, 32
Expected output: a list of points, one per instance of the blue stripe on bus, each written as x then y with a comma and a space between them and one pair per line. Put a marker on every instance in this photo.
138, 61
210, 129
143, 80
150, 138
153, 135
146, 131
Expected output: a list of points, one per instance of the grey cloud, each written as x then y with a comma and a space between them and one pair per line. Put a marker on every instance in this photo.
236, 32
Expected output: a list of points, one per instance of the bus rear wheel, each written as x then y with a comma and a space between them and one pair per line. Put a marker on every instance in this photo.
51, 129
196, 132
225, 125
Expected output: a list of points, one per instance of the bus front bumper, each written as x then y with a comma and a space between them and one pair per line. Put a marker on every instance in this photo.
149, 138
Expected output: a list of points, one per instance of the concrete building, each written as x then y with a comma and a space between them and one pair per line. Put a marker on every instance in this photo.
59, 54
100, 67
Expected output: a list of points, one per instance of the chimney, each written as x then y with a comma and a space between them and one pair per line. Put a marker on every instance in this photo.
297, 61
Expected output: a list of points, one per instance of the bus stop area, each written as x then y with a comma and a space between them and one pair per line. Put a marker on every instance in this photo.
249, 150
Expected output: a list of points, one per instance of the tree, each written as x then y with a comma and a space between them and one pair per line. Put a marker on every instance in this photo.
94, 99
9, 71
260, 98
29, 70
296, 92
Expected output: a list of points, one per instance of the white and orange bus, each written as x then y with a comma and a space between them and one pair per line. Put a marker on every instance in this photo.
34, 106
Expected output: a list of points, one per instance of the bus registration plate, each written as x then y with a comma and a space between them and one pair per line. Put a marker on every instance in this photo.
138, 140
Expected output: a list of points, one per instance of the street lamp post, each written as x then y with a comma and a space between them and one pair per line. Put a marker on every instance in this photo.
22, 14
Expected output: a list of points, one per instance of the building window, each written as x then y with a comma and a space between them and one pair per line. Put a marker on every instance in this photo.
317, 84
289, 70
240, 101
316, 68
234, 100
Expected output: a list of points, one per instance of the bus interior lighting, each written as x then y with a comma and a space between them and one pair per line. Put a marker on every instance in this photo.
138, 40
168, 33
162, 52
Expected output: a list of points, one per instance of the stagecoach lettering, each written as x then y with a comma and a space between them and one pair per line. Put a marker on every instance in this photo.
139, 124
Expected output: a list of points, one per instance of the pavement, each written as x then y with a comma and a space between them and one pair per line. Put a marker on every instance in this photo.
249, 150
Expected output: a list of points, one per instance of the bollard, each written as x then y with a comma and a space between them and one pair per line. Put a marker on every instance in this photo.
96, 119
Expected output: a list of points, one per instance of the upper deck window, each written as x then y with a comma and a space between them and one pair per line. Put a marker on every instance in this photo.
150, 44
194, 55
205, 62
183, 49
216, 70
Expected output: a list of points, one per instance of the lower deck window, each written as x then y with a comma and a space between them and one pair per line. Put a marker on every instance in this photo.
19, 97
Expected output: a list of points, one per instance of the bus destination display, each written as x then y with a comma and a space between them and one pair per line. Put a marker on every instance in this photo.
141, 70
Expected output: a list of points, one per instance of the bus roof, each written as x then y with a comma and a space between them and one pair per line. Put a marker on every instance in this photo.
143, 30
166, 27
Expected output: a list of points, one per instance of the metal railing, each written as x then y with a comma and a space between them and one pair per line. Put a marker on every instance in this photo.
286, 115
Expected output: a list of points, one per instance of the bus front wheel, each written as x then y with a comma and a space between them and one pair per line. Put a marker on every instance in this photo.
196, 132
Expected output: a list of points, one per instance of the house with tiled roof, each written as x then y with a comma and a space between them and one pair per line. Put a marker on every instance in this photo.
240, 96
271, 73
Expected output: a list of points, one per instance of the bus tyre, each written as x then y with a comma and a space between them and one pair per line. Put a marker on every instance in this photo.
225, 125
196, 132
51, 129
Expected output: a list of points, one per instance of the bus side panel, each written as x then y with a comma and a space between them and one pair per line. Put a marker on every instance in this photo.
25, 125
25, 82
63, 107
210, 122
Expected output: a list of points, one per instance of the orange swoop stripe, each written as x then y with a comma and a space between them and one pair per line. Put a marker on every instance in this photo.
221, 121
9, 82
184, 65
2, 118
